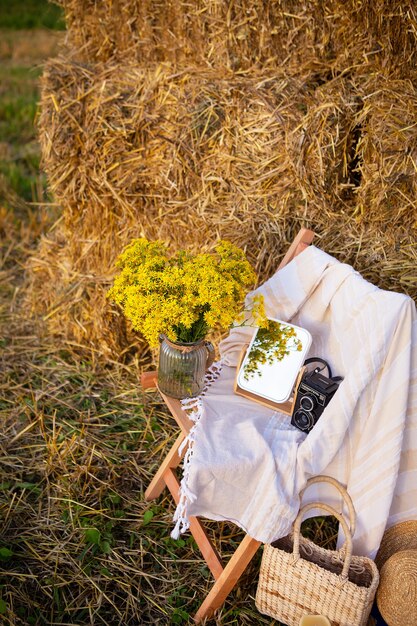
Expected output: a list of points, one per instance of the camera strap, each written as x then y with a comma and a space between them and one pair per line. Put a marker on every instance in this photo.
316, 359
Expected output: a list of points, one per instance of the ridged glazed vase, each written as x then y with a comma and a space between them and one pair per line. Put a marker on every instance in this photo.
182, 367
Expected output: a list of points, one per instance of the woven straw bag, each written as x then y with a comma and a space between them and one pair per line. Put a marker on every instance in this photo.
298, 578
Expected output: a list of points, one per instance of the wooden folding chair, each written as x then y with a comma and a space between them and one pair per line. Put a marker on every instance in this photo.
226, 576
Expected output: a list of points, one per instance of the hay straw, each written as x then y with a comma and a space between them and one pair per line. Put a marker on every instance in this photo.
193, 155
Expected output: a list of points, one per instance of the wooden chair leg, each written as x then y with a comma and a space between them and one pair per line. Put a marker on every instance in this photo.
229, 577
208, 550
172, 460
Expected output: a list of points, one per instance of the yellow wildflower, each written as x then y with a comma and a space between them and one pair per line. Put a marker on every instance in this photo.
183, 295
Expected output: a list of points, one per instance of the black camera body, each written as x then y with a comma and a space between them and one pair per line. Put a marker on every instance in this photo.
314, 393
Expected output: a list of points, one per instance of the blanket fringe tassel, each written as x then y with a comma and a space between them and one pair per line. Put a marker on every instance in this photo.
194, 408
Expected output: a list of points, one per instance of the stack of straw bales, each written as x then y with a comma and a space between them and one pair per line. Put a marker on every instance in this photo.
245, 120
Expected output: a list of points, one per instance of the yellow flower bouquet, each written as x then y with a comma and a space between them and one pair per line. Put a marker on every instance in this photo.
182, 297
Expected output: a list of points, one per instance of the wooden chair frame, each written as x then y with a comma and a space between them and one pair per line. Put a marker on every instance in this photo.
226, 576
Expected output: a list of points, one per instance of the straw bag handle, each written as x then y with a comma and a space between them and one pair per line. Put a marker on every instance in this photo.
347, 551
343, 492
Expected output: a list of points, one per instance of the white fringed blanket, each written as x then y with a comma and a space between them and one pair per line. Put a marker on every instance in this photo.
247, 464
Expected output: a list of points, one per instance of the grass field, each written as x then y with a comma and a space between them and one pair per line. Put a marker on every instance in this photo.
78, 543
31, 14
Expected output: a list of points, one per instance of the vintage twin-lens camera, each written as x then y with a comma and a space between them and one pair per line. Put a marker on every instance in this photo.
314, 393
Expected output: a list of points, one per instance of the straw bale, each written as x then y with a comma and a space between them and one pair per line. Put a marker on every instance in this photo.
239, 34
193, 155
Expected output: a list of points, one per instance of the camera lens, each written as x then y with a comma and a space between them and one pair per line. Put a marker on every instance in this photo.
308, 402
303, 420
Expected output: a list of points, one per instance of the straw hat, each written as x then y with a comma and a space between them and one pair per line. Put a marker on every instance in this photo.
402, 536
396, 596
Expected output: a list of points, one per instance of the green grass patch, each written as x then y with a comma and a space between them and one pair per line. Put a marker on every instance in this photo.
19, 96
19, 150
31, 14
